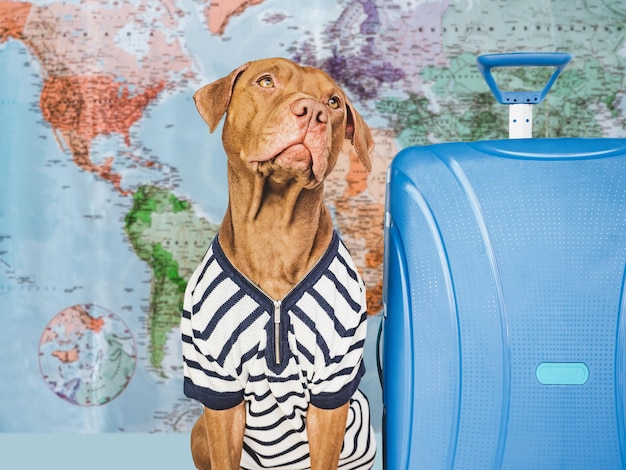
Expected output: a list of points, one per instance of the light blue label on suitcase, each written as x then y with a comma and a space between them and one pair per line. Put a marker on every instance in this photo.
562, 373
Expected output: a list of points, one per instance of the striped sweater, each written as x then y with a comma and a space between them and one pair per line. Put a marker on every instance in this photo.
279, 356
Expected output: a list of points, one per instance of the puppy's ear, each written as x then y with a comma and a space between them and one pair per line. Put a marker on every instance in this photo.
360, 136
212, 100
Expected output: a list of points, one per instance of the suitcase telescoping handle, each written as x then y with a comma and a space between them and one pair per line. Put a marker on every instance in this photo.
520, 102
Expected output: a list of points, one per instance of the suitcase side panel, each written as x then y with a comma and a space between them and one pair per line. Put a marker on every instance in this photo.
437, 352
398, 370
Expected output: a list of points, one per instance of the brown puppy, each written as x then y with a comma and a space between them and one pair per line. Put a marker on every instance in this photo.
285, 127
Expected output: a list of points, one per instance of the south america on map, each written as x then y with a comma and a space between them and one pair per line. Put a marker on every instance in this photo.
112, 187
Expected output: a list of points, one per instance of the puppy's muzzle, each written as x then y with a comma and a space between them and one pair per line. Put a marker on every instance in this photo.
314, 122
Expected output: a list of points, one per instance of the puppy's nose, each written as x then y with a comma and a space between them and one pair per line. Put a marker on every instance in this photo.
310, 110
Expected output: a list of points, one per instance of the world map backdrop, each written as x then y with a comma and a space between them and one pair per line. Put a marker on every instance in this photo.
111, 187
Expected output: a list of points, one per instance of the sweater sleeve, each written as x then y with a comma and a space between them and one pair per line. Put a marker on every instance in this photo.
341, 331
208, 378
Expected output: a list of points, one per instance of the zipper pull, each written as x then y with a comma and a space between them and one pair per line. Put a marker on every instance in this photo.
277, 331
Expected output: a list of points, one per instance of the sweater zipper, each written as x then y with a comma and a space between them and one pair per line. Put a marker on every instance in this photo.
277, 304
277, 310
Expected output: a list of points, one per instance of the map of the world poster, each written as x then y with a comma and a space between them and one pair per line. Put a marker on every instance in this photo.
111, 187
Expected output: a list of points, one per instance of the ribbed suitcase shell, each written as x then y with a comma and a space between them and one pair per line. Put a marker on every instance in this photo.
504, 330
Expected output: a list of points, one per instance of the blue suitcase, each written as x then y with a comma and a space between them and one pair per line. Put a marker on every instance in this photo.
504, 328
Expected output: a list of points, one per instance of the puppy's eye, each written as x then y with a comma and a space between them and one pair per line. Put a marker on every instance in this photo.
266, 82
334, 102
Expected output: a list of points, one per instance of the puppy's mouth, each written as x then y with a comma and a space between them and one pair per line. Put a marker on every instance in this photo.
297, 159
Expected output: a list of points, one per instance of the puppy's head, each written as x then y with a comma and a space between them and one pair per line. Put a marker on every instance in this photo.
283, 120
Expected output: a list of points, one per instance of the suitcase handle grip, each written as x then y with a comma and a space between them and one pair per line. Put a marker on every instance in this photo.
521, 59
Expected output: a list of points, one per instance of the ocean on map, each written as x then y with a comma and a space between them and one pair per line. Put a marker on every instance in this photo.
81, 217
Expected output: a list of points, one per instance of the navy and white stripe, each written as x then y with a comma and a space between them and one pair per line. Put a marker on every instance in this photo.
229, 355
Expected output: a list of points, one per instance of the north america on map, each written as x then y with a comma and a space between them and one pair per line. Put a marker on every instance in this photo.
112, 187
